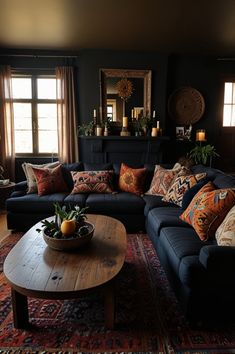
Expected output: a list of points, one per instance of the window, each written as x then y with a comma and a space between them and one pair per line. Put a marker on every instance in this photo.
229, 105
35, 114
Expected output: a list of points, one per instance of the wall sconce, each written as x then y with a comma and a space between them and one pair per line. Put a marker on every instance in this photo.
201, 135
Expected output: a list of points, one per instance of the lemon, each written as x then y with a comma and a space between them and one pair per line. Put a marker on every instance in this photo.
68, 227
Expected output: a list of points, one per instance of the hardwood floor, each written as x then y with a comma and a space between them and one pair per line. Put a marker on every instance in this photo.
3, 226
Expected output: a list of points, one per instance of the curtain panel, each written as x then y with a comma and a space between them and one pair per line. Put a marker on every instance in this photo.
66, 115
7, 146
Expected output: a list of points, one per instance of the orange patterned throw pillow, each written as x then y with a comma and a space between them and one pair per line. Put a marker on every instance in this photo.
208, 209
50, 180
132, 179
92, 182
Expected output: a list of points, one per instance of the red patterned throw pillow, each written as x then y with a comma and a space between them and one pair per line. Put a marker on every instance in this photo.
49, 180
208, 209
161, 181
132, 179
92, 182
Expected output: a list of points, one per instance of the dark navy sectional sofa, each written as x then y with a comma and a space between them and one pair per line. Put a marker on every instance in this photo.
202, 274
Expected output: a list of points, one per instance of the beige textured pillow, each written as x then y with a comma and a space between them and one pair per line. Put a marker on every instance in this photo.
225, 234
29, 174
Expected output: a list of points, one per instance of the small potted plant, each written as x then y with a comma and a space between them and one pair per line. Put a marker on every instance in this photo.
201, 154
68, 229
86, 129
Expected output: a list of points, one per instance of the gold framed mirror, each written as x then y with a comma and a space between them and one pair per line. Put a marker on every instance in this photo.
136, 99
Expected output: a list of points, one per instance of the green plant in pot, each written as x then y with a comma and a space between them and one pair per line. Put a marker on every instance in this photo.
201, 154
68, 222
86, 129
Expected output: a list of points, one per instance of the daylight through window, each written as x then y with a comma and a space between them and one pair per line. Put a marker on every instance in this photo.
229, 105
35, 114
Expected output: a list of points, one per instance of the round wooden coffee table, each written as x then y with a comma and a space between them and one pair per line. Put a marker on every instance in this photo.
33, 269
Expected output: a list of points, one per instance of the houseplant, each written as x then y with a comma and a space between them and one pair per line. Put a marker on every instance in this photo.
86, 129
201, 154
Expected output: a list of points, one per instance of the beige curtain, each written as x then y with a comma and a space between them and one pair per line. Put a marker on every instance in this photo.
7, 146
66, 115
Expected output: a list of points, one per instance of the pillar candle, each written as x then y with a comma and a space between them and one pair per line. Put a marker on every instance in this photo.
154, 131
125, 122
99, 131
158, 124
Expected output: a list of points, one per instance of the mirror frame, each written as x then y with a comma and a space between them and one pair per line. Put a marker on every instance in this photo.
146, 75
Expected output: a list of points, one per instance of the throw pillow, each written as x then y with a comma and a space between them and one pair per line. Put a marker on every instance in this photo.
189, 194
161, 181
208, 209
92, 182
225, 234
132, 179
29, 174
50, 180
179, 186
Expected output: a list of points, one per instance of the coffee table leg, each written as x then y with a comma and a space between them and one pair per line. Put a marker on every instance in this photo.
20, 309
109, 306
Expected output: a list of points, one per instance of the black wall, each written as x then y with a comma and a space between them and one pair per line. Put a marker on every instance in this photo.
169, 72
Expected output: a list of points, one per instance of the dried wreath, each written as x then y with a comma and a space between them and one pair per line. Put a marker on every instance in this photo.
125, 88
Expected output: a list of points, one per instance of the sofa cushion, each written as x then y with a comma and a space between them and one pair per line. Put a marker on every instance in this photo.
67, 168
154, 201
208, 209
50, 180
179, 242
225, 234
180, 185
33, 203
92, 182
119, 203
132, 180
161, 217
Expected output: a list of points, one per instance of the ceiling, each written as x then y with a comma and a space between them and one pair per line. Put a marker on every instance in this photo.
168, 26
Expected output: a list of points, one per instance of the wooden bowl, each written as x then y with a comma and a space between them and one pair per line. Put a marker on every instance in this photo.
69, 243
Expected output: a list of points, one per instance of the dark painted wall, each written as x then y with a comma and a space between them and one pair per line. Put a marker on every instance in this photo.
169, 72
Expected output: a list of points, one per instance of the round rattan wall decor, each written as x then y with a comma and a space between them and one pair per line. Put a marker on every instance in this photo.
186, 105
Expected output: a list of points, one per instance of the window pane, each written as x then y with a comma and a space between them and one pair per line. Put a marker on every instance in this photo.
21, 87
227, 115
23, 141
48, 141
46, 88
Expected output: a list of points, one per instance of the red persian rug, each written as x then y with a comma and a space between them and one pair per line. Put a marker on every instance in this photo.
148, 320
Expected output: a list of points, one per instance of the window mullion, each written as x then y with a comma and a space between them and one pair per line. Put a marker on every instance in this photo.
34, 115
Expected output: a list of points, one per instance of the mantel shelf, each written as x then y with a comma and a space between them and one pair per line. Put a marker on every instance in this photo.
118, 137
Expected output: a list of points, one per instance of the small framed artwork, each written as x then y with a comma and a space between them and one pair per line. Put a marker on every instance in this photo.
179, 133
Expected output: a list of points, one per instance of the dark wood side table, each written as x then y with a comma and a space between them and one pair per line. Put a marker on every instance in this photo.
5, 191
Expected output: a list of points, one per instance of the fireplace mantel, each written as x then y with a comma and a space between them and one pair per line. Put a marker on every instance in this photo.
116, 149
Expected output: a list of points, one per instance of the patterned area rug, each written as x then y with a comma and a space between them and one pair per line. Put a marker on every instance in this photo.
148, 316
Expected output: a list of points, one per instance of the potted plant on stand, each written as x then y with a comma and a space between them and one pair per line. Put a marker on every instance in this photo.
202, 154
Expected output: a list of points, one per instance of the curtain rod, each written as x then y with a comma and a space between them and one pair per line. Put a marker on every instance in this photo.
38, 56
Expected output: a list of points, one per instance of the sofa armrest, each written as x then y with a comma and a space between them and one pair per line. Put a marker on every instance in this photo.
21, 186
219, 261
